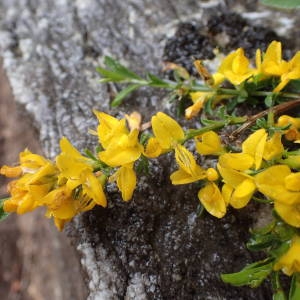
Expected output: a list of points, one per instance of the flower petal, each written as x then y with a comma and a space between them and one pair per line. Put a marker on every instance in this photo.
166, 130
209, 143
243, 193
211, 198
254, 145
126, 181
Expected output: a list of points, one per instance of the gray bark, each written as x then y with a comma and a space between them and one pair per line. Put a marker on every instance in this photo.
154, 247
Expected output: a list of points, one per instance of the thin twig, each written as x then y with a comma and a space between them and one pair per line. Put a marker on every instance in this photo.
278, 109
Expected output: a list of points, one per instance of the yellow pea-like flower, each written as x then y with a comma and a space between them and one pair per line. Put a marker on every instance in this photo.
235, 68
272, 63
289, 262
292, 182
188, 171
272, 183
110, 129
209, 143
273, 147
153, 148
236, 161
124, 151
254, 145
166, 130
243, 193
126, 180
212, 200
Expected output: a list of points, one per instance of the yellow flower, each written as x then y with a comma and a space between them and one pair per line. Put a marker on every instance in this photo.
254, 145
272, 63
217, 79
62, 205
240, 187
166, 130
70, 162
121, 146
289, 213
123, 151
271, 182
26, 195
212, 174
210, 195
273, 147
289, 262
292, 73
292, 133
235, 68
38, 175
153, 148
167, 134
188, 171
199, 99
126, 180
209, 143
76, 170
109, 129
281, 185
212, 200
11, 172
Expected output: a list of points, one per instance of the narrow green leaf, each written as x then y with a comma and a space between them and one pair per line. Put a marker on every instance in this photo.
109, 75
3, 214
120, 96
251, 275
282, 3
116, 67
294, 293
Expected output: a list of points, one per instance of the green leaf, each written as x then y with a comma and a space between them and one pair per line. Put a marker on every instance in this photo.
282, 3
269, 100
294, 293
109, 75
120, 96
3, 214
121, 70
259, 242
282, 249
251, 275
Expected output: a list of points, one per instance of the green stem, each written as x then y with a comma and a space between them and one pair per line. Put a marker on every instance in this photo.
216, 125
278, 292
276, 110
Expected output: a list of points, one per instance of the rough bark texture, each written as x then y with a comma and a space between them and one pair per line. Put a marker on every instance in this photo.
154, 247
36, 262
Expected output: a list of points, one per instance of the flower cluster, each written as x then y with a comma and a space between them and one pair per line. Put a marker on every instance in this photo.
65, 187
236, 68
265, 167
